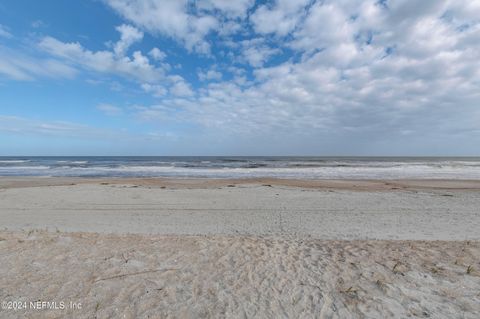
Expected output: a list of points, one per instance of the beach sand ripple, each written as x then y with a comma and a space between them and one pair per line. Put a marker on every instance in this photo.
147, 276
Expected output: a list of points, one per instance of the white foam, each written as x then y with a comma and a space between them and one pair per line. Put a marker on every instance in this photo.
14, 168
14, 161
358, 172
73, 162
431, 169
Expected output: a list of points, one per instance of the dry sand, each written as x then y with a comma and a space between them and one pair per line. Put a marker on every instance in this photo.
135, 276
210, 207
240, 249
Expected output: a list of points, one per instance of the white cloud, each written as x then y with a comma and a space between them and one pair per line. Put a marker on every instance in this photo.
230, 27
256, 52
22, 125
232, 9
326, 26
155, 90
157, 54
257, 56
361, 78
38, 24
188, 22
169, 18
180, 87
152, 79
110, 110
4, 32
351, 70
280, 18
137, 66
128, 36
18, 66
208, 75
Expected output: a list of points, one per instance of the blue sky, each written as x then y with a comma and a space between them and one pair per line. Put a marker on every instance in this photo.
219, 77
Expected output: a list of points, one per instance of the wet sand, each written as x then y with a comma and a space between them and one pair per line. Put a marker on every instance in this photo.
357, 185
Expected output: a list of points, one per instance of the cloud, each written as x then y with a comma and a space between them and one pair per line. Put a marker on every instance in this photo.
154, 89
109, 109
38, 24
232, 9
23, 125
326, 26
180, 87
153, 79
280, 18
360, 79
256, 52
355, 73
188, 22
169, 18
128, 36
137, 66
4, 33
21, 67
257, 56
209, 75
157, 54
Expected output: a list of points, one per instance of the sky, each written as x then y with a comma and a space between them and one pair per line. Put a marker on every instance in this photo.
243, 77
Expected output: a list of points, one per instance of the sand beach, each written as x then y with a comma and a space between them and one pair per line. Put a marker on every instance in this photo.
179, 248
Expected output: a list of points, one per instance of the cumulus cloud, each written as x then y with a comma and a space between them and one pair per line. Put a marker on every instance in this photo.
169, 18
180, 87
188, 22
256, 52
257, 56
209, 75
359, 72
232, 9
279, 18
152, 79
136, 66
365, 72
157, 54
154, 89
326, 26
128, 36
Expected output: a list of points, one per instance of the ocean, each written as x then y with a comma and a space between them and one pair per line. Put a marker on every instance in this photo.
246, 167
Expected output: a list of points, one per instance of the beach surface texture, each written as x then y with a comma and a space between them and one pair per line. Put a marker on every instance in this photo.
260, 248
